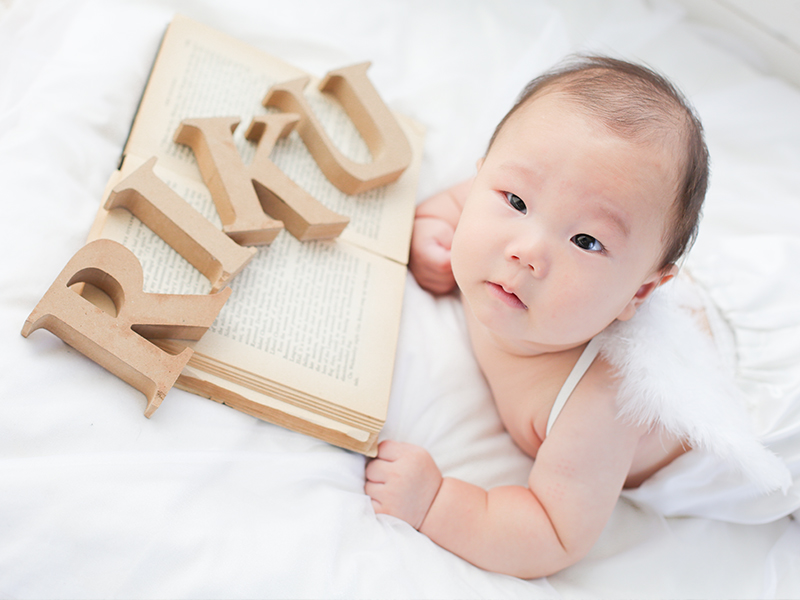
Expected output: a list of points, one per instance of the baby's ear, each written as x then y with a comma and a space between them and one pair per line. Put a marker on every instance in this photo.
650, 285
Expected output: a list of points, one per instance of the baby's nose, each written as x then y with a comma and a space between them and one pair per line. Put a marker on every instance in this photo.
530, 254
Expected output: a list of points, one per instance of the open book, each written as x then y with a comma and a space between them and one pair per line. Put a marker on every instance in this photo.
307, 339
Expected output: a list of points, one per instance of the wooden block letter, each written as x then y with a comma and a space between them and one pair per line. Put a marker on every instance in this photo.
195, 238
391, 152
282, 198
261, 183
116, 342
225, 175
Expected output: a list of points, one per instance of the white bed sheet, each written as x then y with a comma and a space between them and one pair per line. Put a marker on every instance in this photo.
204, 502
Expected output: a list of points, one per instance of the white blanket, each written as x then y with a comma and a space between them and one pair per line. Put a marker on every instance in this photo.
201, 501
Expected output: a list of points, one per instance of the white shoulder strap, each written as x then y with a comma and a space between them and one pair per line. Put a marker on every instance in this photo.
578, 371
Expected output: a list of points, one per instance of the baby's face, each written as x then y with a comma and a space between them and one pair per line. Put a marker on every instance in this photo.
563, 229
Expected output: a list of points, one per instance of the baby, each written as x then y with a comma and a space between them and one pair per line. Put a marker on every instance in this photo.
589, 193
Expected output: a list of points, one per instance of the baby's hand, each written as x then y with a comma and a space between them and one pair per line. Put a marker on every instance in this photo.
402, 481
429, 261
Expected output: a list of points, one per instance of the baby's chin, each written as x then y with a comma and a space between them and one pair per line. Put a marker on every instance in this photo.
530, 342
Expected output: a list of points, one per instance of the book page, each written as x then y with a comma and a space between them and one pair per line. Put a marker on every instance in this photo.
311, 325
311, 316
322, 329
280, 413
244, 399
200, 72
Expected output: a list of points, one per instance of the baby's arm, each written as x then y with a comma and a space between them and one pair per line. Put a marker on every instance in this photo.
529, 531
434, 225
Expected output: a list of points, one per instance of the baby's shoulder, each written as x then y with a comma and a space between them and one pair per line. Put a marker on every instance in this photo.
595, 395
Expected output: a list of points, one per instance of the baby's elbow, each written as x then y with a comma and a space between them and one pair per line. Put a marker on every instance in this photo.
537, 543
528, 560
545, 557
538, 566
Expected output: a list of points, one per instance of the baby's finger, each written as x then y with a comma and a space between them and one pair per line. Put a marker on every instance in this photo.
390, 450
436, 282
376, 471
373, 490
438, 255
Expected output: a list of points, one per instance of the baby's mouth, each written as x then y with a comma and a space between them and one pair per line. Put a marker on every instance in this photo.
509, 297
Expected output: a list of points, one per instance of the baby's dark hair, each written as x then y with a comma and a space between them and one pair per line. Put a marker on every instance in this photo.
638, 104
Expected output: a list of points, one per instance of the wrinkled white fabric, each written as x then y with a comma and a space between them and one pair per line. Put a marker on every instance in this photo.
749, 291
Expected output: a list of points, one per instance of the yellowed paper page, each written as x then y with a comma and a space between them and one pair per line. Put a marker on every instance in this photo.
309, 335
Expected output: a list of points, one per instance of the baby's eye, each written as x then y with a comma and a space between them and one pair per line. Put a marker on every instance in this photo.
586, 242
516, 202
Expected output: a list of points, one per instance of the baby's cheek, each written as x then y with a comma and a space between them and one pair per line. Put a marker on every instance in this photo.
462, 252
